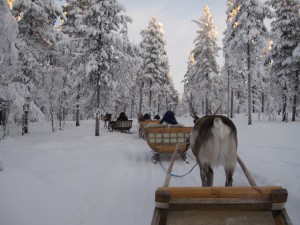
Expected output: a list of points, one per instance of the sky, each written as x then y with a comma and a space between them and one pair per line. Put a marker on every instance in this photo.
180, 31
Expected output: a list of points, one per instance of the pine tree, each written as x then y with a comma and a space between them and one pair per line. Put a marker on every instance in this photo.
205, 69
11, 90
36, 20
8, 52
246, 38
155, 67
100, 25
285, 30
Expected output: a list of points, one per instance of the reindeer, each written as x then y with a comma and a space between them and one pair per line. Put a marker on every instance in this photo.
213, 141
106, 118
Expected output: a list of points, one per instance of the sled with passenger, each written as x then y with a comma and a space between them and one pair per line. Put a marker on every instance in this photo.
164, 138
120, 125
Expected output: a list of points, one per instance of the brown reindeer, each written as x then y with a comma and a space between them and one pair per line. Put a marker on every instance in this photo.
213, 141
106, 118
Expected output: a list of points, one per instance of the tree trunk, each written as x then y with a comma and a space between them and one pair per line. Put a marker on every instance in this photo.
26, 112
228, 93
77, 107
231, 105
249, 86
206, 106
284, 99
132, 107
60, 116
97, 127
98, 92
150, 96
238, 108
295, 97
141, 98
262, 102
52, 117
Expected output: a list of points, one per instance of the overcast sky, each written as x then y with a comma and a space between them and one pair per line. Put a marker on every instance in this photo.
180, 32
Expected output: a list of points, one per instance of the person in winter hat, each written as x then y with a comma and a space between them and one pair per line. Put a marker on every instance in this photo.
157, 117
122, 116
147, 116
169, 118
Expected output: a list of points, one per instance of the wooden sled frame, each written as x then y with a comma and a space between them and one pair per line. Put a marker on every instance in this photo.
255, 205
214, 205
145, 123
165, 139
120, 125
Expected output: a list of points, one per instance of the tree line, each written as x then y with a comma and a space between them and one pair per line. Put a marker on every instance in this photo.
81, 65
87, 64
261, 68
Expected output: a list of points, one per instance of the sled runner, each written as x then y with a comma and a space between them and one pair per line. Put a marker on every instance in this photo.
120, 125
144, 124
253, 205
164, 139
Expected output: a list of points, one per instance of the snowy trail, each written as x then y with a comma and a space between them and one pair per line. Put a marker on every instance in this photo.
71, 177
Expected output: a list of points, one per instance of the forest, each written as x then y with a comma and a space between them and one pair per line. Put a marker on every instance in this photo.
72, 62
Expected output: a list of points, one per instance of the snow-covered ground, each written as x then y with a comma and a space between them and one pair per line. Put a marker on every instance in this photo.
71, 177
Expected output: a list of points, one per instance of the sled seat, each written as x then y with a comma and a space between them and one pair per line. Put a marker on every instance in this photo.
220, 205
120, 125
164, 139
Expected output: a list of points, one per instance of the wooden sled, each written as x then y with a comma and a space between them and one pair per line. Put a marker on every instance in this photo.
164, 140
145, 123
120, 125
255, 205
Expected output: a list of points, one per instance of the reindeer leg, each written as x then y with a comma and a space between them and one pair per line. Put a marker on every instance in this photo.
207, 175
229, 173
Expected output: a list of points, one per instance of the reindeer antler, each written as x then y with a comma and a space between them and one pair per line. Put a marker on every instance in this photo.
192, 110
218, 109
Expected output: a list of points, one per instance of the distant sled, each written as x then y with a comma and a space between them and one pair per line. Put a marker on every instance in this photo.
163, 139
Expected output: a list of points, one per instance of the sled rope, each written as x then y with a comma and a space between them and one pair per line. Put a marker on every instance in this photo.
176, 175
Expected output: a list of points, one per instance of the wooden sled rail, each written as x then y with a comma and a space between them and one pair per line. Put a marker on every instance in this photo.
144, 124
221, 205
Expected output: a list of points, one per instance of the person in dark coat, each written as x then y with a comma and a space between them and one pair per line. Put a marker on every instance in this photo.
147, 116
157, 117
169, 118
122, 116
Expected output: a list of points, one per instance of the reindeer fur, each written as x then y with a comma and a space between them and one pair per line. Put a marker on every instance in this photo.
214, 142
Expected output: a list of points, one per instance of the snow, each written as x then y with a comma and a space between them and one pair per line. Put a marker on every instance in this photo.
71, 177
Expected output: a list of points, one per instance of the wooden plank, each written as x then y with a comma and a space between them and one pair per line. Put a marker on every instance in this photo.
246, 171
167, 148
160, 217
241, 206
167, 129
168, 175
146, 122
220, 217
220, 192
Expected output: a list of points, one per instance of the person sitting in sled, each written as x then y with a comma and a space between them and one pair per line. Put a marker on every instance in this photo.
169, 118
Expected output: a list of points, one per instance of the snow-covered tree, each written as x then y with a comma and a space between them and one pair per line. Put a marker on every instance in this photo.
204, 73
285, 30
36, 20
8, 52
246, 37
99, 46
155, 71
